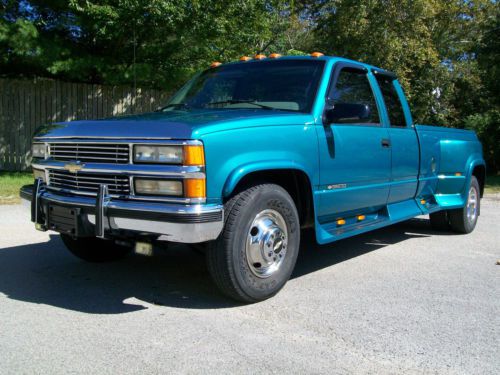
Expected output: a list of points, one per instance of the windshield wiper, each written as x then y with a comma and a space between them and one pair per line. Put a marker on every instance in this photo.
175, 106
233, 101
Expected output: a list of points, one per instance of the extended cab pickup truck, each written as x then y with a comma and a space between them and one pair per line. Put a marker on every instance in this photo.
244, 156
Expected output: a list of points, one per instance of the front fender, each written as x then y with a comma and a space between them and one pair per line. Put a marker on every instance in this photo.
232, 154
238, 173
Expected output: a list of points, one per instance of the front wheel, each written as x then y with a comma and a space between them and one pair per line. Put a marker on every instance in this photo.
93, 249
256, 252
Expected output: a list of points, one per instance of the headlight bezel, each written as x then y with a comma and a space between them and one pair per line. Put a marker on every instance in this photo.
39, 146
178, 150
137, 191
190, 154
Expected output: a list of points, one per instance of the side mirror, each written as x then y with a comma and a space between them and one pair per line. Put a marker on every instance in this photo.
347, 113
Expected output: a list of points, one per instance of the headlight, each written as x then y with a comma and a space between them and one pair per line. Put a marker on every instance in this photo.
181, 155
39, 150
158, 187
158, 154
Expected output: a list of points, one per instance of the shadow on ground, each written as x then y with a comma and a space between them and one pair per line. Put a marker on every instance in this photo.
46, 273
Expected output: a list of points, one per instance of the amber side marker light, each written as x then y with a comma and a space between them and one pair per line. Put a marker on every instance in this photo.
215, 64
317, 54
340, 222
195, 188
423, 201
274, 55
361, 217
259, 57
245, 58
458, 174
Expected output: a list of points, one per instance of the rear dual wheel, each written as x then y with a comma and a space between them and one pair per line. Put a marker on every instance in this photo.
461, 220
256, 252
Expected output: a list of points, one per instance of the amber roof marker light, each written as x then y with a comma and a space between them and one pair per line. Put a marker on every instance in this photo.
259, 57
317, 54
215, 64
274, 56
245, 58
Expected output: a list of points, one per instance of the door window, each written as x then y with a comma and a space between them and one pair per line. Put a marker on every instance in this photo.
392, 102
352, 87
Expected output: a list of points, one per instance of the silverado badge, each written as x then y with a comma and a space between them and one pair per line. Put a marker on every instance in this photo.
74, 167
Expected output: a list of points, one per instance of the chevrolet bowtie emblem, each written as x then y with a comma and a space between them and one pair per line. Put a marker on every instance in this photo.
74, 167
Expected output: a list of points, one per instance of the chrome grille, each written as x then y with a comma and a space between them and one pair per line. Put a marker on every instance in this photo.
88, 183
91, 152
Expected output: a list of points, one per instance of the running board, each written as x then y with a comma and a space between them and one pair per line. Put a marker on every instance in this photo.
351, 226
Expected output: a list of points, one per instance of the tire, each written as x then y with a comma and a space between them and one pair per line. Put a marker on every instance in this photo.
464, 220
256, 252
440, 221
95, 250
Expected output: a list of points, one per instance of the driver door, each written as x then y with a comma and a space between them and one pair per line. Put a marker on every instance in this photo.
355, 153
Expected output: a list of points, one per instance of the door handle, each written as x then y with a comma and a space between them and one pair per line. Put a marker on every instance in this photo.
386, 143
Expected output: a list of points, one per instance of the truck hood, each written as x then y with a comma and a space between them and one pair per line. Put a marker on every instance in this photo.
171, 125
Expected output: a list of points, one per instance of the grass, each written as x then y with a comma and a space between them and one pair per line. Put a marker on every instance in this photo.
10, 182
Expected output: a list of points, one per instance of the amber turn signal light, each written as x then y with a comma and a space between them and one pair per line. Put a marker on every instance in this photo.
195, 188
194, 155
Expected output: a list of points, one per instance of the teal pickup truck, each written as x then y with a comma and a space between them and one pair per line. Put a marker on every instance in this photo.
243, 157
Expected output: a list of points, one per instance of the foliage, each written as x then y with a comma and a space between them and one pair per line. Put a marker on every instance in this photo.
487, 127
446, 53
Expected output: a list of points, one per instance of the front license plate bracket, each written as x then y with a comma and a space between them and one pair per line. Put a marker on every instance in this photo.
63, 219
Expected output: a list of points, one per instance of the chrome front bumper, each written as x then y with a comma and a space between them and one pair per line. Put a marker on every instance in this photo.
109, 217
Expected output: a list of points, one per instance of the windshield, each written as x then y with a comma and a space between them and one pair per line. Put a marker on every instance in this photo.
288, 85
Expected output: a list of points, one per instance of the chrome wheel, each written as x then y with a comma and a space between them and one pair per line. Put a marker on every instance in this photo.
267, 242
472, 205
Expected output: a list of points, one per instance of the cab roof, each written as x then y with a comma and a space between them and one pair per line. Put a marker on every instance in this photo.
335, 59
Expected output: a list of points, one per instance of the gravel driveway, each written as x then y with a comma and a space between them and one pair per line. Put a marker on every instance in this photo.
403, 299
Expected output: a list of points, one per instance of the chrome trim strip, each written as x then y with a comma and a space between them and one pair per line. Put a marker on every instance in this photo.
120, 140
173, 232
137, 170
131, 205
132, 197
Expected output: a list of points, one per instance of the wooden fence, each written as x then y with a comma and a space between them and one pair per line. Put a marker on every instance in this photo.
27, 104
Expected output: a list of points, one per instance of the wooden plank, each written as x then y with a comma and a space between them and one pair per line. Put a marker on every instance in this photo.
2, 124
12, 129
8, 126
24, 132
74, 101
79, 110
17, 126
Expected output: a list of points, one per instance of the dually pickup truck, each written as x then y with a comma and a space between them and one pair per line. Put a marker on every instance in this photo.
243, 157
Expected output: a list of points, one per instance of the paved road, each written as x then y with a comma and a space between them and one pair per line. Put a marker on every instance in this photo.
399, 300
